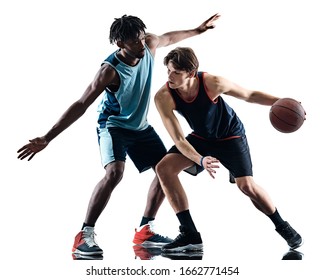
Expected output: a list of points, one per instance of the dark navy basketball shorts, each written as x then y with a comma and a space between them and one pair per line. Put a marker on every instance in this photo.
144, 147
233, 154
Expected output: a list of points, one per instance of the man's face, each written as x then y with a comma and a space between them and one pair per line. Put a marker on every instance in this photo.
176, 78
135, 48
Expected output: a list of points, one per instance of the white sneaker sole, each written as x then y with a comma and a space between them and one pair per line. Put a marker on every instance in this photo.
189, 247
78, 252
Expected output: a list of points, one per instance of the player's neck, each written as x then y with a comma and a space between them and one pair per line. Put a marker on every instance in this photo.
127, 59
190, 90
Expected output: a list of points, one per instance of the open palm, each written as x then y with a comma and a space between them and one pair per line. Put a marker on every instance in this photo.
32, 148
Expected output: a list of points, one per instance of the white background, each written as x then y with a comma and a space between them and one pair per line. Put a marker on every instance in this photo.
50, 52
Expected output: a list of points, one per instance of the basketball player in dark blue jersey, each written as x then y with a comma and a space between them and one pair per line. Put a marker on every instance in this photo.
125, 78
218, 137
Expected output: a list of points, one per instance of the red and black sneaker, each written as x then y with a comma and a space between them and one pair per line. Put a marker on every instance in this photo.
145, 236
85, 244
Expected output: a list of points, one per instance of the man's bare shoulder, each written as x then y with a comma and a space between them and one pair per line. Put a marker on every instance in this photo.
107, 77
163, 99
107, 69
210, 78
152, 41
163, 92
215, 85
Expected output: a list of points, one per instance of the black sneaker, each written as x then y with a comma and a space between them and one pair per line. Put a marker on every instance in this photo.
185, 241
293, 238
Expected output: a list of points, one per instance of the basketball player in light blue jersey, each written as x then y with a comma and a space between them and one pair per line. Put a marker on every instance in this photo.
125, 78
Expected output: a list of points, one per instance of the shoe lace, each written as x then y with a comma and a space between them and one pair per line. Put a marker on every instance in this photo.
287, 233
89, 237
151, 228
179, 236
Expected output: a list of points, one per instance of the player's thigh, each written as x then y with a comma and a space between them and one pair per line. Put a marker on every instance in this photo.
234, 154
174, 163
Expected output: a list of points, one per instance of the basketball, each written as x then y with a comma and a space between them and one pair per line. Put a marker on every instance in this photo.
287, 115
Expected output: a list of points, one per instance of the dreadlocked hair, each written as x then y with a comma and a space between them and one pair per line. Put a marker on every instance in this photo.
126, 28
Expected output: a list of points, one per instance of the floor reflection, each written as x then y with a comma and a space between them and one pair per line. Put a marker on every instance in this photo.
196, 255
151, 253
146, 253
293, 255
83, 257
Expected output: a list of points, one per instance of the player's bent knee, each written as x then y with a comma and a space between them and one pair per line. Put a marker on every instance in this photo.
246, 189
113, 175
163, 170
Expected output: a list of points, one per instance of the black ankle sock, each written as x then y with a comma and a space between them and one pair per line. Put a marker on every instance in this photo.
86, 225
186, 221
145, 220
276, 218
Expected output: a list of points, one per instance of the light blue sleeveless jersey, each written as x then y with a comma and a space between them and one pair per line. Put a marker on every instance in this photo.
128, 106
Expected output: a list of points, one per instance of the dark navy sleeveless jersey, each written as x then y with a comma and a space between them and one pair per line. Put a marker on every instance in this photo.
208, 119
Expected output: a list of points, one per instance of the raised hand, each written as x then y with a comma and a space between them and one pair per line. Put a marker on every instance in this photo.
208, 24
32, 148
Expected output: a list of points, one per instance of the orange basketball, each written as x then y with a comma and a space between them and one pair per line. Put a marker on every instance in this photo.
287, 115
